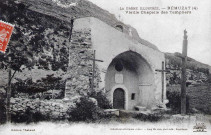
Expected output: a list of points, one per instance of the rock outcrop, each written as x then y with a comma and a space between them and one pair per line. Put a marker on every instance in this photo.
61, 10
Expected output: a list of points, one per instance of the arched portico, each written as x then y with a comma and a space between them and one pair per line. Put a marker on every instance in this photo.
133, 74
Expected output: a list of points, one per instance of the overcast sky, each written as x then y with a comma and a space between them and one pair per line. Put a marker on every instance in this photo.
166, 31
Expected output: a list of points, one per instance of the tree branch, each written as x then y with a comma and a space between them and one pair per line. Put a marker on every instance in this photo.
12, 76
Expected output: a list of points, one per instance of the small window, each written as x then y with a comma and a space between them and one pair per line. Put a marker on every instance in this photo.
133, 96
119, 66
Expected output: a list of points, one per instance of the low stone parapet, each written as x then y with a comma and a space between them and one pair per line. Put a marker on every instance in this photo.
55, 108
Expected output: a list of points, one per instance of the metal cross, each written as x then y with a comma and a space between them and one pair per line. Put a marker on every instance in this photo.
93, 69
162, 77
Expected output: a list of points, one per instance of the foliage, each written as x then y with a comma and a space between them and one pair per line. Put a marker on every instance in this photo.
29, 116
2, 110
149, 117
175, 102
17, 53
209, 78
102, 100
26, 86
51, 82
175, 79
85, 110
45, 84
31, 39
204, 70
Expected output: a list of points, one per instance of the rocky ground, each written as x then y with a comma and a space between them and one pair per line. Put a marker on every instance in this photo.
199, 96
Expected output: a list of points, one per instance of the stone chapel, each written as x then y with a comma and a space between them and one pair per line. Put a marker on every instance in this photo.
130, 78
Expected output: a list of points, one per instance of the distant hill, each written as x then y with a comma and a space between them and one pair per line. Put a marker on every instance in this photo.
197, 72
174, 59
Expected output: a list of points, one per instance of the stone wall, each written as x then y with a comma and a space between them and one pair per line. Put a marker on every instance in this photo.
199, 96
56, 108
80, 68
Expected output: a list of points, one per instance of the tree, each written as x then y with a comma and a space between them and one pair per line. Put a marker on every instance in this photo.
209, 78
17, 53
30, 40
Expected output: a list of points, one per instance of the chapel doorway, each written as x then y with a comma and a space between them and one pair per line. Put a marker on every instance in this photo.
119, 99
129, 81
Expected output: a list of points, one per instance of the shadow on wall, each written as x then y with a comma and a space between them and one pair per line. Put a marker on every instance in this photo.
131, 70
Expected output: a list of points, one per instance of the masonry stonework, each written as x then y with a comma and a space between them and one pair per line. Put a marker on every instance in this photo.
80, 69
111, 43
55, 108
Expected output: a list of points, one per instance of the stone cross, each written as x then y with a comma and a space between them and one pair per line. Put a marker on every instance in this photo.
93, 69
183, 76
162, 77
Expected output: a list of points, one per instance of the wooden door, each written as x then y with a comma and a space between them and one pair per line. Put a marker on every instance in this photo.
119, 99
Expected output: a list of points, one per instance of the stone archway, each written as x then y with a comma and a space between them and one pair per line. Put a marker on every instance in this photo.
119, 99
132, 71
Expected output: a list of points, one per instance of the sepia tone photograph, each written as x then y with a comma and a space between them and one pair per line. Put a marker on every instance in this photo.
82, 67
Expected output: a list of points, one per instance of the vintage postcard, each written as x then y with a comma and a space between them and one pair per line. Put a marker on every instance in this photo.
83, 67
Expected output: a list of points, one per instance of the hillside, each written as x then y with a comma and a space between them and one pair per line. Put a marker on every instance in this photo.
61, 10
174, 59
197, 72
41, 38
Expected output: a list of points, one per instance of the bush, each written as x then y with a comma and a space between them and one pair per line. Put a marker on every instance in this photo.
85, 110
29, 116
2, 105
46, 84
209, 78
102, 101
150, 117
2, 111
175, 102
